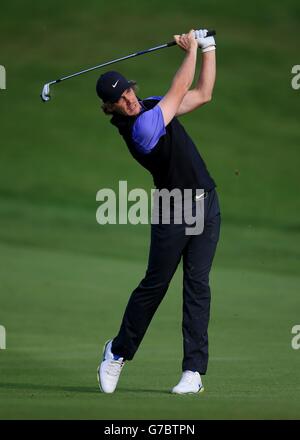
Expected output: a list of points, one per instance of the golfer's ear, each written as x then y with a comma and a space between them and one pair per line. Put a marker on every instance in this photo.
110, 106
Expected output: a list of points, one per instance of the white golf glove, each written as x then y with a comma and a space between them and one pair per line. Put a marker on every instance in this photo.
206, 44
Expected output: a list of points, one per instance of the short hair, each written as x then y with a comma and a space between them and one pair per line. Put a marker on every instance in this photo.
105, 106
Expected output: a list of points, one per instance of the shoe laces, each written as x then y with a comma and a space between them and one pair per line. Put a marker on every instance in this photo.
115, 366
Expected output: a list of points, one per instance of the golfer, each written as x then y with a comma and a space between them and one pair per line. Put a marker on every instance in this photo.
158, 141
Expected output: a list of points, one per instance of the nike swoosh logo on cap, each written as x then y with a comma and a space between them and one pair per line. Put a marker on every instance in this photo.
115, 84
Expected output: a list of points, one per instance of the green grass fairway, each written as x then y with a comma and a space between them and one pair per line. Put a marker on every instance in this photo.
65, 280
59, 307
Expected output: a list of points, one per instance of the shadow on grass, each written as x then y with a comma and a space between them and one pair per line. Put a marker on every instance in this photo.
73, 389
134, 390
41, 387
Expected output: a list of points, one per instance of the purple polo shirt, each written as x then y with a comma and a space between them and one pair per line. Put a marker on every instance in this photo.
148, 128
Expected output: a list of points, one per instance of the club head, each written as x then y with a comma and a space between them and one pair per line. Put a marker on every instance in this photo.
45, 95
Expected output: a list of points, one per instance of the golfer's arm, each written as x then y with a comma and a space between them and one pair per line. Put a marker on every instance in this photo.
180, 85
202, 93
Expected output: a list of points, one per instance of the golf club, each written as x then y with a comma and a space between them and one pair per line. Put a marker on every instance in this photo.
45, 95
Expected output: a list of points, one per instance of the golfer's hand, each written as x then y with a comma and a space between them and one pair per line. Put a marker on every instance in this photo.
187, 41
206, 44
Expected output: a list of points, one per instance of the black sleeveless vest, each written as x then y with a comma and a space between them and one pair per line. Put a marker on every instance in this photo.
175, 161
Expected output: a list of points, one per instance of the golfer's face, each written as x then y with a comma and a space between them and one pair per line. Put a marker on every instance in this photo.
128, 104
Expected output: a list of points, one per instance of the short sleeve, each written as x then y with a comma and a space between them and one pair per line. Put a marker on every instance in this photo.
148, 129
157, 98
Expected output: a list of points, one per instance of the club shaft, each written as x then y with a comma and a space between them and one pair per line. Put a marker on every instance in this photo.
111, 62
152, 49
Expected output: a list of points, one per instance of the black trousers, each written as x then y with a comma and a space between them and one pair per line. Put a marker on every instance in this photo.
169, 243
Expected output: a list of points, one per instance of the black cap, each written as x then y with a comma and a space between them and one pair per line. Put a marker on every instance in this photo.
111, 85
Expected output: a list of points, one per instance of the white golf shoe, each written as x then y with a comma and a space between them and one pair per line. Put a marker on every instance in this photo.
190, 382
109, 370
